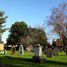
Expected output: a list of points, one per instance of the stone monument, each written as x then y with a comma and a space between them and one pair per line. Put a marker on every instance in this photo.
21, 50
38, 53
49, 52
55, 51
13, 49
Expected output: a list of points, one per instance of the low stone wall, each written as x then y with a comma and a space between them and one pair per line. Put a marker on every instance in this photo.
1, 46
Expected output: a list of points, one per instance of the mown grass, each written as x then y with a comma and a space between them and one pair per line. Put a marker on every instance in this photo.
26, 60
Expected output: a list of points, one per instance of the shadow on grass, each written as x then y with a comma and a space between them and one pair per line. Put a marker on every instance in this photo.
55, 62
25, 61
7, 65
14, 62
20, 59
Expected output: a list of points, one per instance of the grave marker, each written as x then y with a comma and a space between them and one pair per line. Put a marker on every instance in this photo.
38, 54
21, 50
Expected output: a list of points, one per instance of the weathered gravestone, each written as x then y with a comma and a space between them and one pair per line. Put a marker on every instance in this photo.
38, 51
49, 52
38, 54
21, 50
13, 49
55, 51
65, 44
65, 49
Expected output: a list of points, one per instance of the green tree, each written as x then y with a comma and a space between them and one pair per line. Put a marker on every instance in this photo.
38, 36
35, 36
26, 41
20, 33
17, 30
2, 26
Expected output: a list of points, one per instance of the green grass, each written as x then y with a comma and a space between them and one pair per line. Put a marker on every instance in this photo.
26, 60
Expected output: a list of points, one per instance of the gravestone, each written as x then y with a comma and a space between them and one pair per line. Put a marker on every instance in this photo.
55, 51
49, 52
38, 51
13, 49
38, 54
21, 50
65, 44
65, 49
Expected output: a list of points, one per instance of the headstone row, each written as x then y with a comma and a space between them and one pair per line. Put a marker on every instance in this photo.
21, 50
51, 52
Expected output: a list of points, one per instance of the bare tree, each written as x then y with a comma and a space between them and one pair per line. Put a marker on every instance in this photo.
58, 19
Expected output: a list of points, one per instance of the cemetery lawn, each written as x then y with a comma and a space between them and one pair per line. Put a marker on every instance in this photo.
26, 60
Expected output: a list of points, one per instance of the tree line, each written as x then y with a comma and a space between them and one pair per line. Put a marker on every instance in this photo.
20, 33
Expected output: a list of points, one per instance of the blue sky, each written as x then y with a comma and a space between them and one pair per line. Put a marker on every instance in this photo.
33, 12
